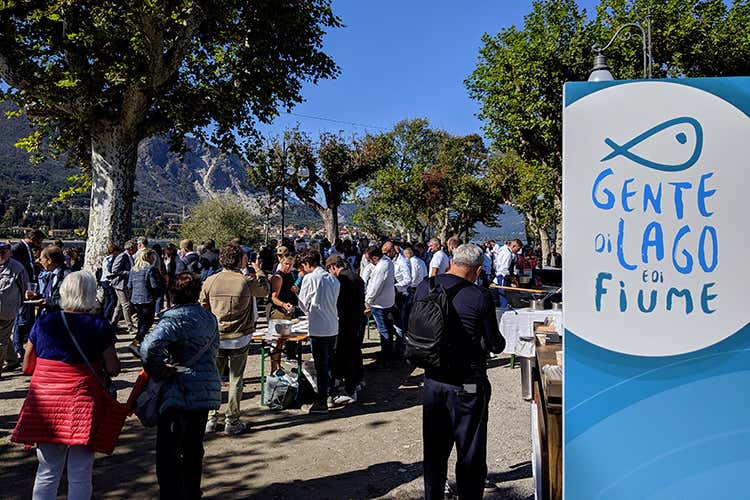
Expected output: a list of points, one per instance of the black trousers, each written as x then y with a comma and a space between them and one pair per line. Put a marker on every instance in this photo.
349, 355
179, 453
324, 354
145, 313
453, 414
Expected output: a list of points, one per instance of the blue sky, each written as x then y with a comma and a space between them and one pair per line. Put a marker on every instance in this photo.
403, 59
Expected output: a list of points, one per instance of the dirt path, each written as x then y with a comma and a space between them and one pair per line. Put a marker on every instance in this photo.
371, 449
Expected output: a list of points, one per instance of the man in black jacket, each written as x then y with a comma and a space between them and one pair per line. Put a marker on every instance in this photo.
23, 252
351, 310
118, 279
53, 261
456, 399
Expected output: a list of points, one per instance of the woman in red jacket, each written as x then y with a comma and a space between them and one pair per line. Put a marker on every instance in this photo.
64, 412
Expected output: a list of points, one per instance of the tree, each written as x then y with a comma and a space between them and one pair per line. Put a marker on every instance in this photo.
434, 182
96, 77
520, 74
220, 219
322, 174
519, 81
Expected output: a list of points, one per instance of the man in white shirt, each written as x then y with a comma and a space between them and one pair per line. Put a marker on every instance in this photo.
418, 274
440, 260
380, 295
317, 297
402, 277
502, 266
365, 268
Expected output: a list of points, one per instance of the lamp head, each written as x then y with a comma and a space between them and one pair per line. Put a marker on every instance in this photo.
600, 71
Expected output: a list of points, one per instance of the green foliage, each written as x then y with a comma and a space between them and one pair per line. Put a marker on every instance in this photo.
220, 219
161, 66
435, 182
520, 73
319, 174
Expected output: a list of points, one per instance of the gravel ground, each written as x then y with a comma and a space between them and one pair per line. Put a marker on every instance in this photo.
371, 449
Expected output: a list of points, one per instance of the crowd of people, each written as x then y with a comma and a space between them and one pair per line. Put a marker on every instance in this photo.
208, 301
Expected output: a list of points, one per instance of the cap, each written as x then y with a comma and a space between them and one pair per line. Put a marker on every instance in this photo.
4, 246
335, 260
282, 250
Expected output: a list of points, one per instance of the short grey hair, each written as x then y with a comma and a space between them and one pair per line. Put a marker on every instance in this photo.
468, 255
434, 240
78, 292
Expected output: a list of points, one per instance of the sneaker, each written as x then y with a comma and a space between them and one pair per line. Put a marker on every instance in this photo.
449, 492
321, 408
344, 399
12, 365
235, 429
211, 425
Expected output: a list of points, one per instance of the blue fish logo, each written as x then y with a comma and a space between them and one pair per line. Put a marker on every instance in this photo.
680, 137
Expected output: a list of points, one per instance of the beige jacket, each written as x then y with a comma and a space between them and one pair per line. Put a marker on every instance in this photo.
229, 296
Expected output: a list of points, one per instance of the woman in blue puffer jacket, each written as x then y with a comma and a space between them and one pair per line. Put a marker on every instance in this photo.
187, 392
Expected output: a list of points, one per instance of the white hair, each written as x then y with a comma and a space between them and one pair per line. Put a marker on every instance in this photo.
468, 255
78, 292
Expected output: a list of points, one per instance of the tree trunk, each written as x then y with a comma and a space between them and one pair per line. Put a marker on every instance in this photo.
544, 243
330, 217
114, 154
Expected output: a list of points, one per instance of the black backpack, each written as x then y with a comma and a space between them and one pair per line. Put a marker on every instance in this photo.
427, 339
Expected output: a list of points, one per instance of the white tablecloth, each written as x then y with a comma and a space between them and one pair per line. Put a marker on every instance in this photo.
517, 323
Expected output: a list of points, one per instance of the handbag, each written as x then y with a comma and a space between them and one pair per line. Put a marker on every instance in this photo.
147, 403
106, 429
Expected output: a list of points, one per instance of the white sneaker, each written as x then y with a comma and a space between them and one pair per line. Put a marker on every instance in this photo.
235, 429
343, 399
211, 425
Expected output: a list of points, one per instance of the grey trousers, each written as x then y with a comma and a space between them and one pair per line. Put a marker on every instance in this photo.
6, 330
124, 308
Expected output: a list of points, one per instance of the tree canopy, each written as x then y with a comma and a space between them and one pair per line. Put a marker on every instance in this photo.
434, 183
520, 73
320, 174
96, 77
220, 219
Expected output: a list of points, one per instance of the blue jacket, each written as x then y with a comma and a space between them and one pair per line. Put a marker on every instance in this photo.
145, 285
182, 331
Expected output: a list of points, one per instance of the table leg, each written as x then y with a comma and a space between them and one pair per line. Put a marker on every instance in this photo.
512, 361
299, 372
263, 374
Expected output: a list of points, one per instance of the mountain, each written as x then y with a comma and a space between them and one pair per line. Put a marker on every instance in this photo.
164, 181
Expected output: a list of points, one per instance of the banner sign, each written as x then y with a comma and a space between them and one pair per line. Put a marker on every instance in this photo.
656, 177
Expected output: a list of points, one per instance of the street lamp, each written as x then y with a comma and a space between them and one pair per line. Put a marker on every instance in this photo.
600, 72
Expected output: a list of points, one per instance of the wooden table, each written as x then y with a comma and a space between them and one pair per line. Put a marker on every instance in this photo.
270, 347
549, 424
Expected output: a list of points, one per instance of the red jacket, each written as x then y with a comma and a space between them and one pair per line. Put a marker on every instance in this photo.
65, 404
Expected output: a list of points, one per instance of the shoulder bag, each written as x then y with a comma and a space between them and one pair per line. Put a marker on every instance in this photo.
147, 402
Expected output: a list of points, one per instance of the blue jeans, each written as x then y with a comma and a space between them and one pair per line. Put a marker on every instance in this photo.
324, 354
500, 281
385, 325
